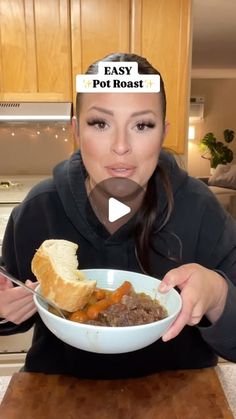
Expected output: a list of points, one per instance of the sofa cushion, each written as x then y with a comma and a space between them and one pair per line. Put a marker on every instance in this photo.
224, 176
218, 190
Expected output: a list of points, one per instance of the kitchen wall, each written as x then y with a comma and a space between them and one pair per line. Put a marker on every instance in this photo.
219, 114
34, 148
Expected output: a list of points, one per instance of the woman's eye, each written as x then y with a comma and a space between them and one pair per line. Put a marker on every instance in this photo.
99, 124
144, 126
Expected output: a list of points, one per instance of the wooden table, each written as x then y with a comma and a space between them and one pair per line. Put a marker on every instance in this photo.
168, 395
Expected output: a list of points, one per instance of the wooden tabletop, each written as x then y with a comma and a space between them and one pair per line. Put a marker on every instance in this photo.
168, 395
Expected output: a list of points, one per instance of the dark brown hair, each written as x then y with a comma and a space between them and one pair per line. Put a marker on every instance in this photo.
144, 67
146, 216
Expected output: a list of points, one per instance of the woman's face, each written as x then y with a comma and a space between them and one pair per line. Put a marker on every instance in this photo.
120, 135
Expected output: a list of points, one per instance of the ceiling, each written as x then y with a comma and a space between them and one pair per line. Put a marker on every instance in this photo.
214, 34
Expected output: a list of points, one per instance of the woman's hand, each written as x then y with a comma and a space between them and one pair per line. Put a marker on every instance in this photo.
16, 303
203, 292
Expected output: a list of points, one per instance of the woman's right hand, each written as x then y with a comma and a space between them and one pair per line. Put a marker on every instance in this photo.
16, 303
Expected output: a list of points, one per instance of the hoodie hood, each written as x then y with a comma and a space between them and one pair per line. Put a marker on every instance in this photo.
69, 177
177, 178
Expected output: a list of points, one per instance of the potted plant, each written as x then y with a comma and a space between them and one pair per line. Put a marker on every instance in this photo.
216, 150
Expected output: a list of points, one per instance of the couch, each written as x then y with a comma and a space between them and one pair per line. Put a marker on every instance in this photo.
227, 198
223, 184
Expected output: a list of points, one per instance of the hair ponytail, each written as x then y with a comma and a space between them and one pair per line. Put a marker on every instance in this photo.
146, 217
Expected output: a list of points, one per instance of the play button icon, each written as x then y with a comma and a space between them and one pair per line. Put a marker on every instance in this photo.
116, 209
115, 201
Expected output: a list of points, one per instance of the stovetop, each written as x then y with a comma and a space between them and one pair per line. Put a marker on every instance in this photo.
13, 189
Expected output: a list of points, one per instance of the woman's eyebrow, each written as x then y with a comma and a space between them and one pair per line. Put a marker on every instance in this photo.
97, 108
104, 110
143, 113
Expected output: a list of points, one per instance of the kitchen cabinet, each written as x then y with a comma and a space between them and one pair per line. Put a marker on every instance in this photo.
98, 28
44, 44
35, 51
160, 32
156, 29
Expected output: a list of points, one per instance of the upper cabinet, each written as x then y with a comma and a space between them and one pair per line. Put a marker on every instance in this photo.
98, 28
44, 44
35, 50
157, 29
161, 32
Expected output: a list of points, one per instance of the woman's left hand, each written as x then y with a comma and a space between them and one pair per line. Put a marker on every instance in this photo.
203, 292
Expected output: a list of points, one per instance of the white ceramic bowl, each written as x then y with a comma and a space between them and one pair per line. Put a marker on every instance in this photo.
112, 340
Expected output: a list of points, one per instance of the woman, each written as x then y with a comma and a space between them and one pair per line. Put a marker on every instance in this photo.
180, 233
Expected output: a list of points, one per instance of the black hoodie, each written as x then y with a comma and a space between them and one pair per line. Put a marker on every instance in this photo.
199, 230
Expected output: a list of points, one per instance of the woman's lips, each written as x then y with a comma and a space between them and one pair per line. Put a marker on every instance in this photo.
119, 170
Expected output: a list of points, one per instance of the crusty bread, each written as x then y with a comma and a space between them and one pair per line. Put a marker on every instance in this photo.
55, 267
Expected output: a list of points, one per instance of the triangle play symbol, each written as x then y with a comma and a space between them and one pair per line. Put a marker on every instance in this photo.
116, 209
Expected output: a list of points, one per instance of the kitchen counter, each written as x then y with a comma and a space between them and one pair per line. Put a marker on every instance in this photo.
13, 189
227, 375
4, 381
188, 394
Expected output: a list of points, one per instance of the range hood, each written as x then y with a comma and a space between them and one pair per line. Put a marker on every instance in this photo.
35, 111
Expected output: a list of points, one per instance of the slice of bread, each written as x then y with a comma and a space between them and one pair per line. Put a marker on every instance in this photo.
55, 266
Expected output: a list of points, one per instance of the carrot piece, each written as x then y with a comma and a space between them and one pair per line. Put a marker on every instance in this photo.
99, 294
124, 289
79, 316
94, 310
115, 297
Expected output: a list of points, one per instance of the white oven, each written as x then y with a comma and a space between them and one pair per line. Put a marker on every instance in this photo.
34, 137
5, 211
13, 189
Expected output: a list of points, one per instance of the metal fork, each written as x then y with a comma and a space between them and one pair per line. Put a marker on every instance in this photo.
21, 284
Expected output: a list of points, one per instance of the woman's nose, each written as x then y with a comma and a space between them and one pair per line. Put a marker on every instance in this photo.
121, 144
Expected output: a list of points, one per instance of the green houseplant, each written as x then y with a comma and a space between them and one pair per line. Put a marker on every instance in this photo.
216, 150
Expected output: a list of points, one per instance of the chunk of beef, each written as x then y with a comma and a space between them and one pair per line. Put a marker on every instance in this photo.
134, 309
